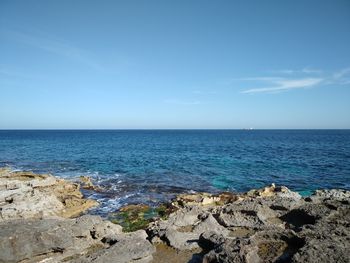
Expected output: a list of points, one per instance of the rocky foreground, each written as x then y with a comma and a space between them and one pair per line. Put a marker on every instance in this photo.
41, 221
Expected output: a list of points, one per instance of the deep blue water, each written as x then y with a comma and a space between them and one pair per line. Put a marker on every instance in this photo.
153, 165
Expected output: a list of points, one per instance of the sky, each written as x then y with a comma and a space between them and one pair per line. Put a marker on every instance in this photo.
187, 64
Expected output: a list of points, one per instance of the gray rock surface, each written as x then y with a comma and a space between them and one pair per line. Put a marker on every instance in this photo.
30, 240
131, 247
272, 224
29, 195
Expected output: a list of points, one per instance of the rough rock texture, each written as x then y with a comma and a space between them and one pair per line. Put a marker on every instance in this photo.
29, 195
85, 239
28, 240
130, 247
34, 225
272, 224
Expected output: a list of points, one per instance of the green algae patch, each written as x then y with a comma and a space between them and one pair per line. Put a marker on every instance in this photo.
135, 217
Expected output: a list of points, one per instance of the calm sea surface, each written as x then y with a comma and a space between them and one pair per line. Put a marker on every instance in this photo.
149, 166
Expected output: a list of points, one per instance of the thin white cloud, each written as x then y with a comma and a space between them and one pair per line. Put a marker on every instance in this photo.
285, 71
287, 84
312, 71
298, 79
268, 79
341, 73
56, 46
306, 70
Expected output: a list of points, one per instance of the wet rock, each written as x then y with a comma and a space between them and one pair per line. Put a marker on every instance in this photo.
86, 183
134, 217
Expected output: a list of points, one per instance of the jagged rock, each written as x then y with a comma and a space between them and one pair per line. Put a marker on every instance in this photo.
181, 240
56, 239
209, 223
204, 199
265, 246
272, 224
86, 183
211, 239
233, 251
29, 195
246, 213
330, 249
186, 216
328, 236
130, 247
273, 191
184, 235
334, 194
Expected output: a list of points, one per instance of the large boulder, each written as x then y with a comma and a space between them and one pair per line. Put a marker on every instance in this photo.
29, 195
55, 239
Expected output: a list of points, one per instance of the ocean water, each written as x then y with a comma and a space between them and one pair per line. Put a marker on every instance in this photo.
151, 166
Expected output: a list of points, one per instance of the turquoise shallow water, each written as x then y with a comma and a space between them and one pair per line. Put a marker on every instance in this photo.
153, 165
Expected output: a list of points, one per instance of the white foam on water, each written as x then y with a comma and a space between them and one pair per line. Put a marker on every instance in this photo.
108, 205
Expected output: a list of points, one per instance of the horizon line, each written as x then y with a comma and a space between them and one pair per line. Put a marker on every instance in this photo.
160, 129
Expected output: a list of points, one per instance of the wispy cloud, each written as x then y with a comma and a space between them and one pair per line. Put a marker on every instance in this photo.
53, 45
182, 102
287, 84
306, 70
297, 79
312, 71
341, 73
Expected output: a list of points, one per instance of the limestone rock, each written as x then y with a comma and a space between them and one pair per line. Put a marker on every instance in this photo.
29, 195
131, 247
334, 194
246, 213
30, 240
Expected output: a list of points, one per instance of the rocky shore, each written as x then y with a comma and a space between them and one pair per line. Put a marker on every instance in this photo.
42, 220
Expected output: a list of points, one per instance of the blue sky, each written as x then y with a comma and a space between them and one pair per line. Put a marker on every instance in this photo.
174, 64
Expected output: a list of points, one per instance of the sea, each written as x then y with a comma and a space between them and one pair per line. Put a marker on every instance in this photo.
153, 166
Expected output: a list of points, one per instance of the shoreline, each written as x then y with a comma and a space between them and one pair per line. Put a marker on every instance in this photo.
45, 215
